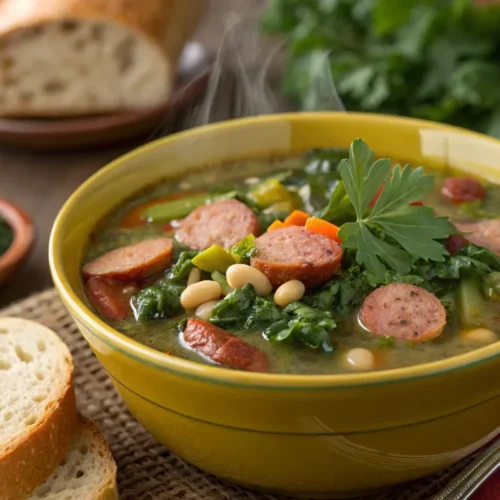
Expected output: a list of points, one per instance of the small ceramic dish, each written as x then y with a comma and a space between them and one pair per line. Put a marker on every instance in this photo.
23, 237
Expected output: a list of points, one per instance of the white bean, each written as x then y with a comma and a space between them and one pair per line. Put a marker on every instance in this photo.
204, 311
238, 275
289, 292
194, 276
200, 292
479, 336
360, 359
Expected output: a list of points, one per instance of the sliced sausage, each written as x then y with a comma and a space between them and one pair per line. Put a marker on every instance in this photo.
132, 262
293, 253
222, 223
484, 233
462, 189
403, 311
223, 347
111, 298
454, 243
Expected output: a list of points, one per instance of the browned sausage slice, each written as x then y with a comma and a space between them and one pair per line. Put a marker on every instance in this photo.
111, 298
484, 233
403, 311
222, 223
223, 347
295, 253
132, 262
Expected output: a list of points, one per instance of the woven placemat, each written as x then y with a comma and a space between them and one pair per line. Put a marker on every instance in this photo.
147, 470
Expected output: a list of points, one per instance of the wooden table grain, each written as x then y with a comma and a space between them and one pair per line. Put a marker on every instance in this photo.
41, 182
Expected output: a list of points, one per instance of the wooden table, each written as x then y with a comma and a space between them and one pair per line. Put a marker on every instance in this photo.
41, 182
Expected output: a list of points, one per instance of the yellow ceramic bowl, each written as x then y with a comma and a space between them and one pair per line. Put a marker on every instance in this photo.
318, 435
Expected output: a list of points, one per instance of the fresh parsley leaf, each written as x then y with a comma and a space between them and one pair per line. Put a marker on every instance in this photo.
392, 234
339, 208
432, 59
362, 177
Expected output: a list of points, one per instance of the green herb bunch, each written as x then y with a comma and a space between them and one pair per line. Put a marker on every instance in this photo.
433, 59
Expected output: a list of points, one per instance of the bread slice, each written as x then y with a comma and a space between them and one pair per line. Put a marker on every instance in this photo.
38, 417
87, 473
77, 57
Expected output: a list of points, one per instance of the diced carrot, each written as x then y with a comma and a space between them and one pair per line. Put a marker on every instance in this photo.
277, 224
296, 218
320, 226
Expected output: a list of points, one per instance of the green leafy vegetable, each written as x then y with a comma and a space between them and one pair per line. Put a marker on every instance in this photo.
339, 208
6, 236
435, 60
158, 301
297, 324
245, 248
393, 233
263, 314
233, 310
181, 269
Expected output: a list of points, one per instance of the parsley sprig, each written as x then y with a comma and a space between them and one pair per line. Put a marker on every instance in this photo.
393, 233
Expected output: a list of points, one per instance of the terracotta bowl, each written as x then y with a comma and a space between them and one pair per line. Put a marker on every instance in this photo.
24, 233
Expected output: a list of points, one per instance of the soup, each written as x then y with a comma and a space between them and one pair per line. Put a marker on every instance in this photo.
329, 262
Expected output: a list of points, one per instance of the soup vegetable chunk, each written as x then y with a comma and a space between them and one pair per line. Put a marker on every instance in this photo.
324, 263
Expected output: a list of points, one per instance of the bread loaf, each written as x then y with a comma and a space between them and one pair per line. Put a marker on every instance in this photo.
76, 57
38, 417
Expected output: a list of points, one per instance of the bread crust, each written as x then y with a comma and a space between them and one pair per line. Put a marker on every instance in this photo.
168, 23
30, 458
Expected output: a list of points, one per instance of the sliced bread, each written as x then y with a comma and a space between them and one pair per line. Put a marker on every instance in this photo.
76, 57
38, 417
87, 473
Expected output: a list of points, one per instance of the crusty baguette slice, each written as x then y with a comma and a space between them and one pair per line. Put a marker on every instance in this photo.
38, 417
87, 473
77, 57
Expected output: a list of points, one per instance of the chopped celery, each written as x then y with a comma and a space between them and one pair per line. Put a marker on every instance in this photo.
471, 302
215, 258
175, 209
270, 192
491, 286
221, 279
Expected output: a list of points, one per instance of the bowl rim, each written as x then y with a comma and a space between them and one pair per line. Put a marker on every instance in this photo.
23, 235
223, 376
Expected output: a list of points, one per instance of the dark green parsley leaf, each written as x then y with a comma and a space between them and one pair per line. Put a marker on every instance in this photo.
393, 233
372, 252
362, 177
339, 208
